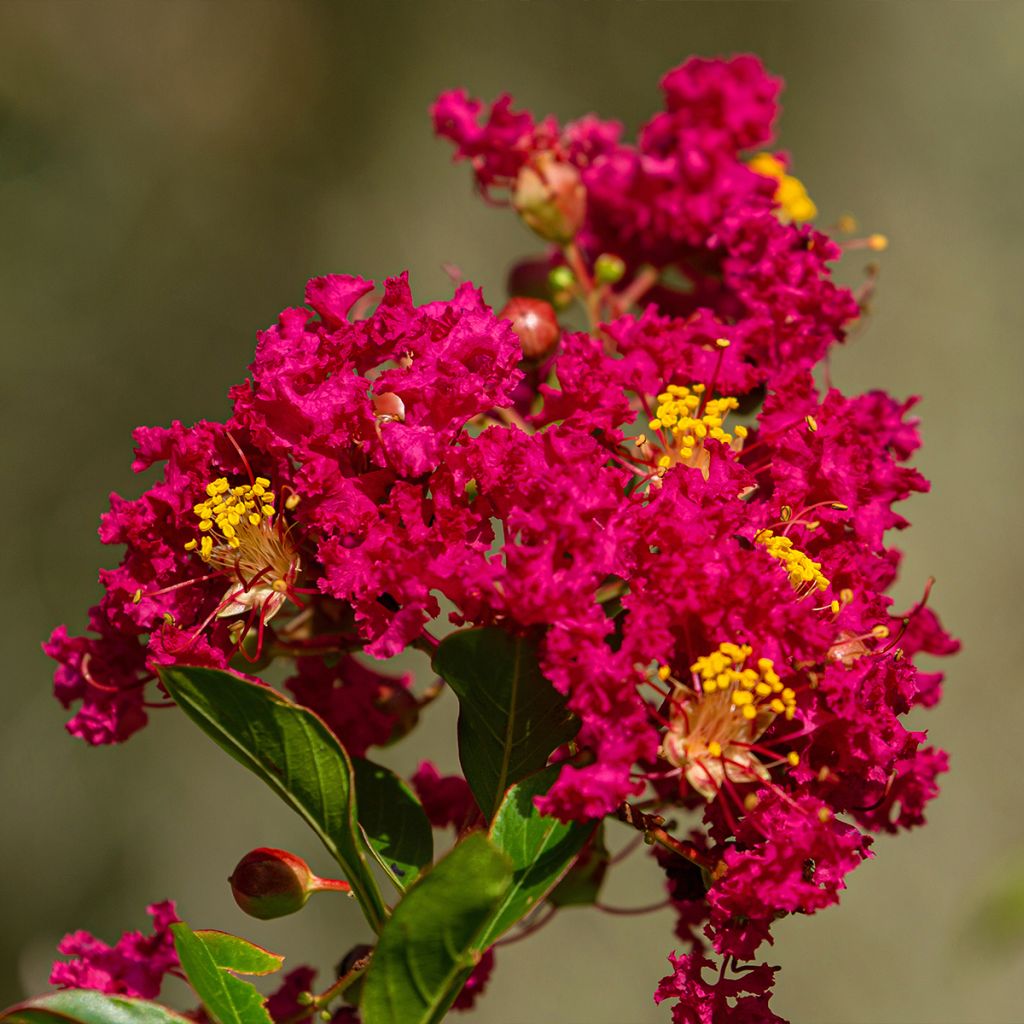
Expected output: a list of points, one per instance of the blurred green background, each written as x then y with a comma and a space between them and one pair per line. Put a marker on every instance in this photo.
171, 173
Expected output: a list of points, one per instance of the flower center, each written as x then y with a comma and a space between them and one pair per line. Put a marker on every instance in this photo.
685, 419
717, 719
240, 534
805, 575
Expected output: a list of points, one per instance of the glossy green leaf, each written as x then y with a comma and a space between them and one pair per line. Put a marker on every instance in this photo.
294, 752
395, 825
228, 1000
510, 719
430, 945
237, 954
541, 849
84, 1006
582, 882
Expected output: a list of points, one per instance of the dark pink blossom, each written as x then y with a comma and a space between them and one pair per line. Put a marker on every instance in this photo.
476, 983
134, 966
742, 999
447, 799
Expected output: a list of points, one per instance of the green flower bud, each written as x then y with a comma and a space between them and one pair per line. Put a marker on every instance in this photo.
550, 198
561, 279
609, 269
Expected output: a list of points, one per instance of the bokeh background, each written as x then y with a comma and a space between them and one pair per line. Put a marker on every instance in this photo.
171, 173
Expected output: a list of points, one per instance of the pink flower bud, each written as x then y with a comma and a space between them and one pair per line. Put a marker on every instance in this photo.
534, 322
388, 408
271, 883
550, 198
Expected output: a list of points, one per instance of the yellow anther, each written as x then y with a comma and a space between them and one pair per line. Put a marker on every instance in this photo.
664, 672
834, 607
793, 758
261, 481
805, 575
742, 697
777, 706
722, 342
763, 690
880, 632
741, 431
824, 815
878, 243
791, 195
748, 711
715, 748
750, 801
137, 596
812, 423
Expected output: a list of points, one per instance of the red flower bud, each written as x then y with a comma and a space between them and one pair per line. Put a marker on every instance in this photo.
269, 883
535, 323
550, 198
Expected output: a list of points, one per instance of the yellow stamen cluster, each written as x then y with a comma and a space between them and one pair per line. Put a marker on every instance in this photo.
229, 513
805, 575
791, 195
689, 421
750, 690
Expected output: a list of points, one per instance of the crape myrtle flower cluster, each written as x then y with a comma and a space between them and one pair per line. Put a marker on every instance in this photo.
694, 529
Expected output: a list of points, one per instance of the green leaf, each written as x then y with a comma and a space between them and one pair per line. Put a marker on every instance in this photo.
84, 1006
228, 1000
541, 849
237, 954
292, 750
430, 945
510, 719
582, 883
393, 821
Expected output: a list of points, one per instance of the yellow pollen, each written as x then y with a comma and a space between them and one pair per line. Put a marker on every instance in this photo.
231, 516
805, 575
791, 195
687, 421
720, 715
724, 671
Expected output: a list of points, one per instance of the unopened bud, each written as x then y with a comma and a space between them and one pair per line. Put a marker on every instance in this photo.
609, 269
269, 883
535, 324
550, 198
388, 408
561, 279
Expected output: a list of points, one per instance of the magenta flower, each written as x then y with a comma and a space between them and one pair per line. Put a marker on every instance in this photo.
134, 966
